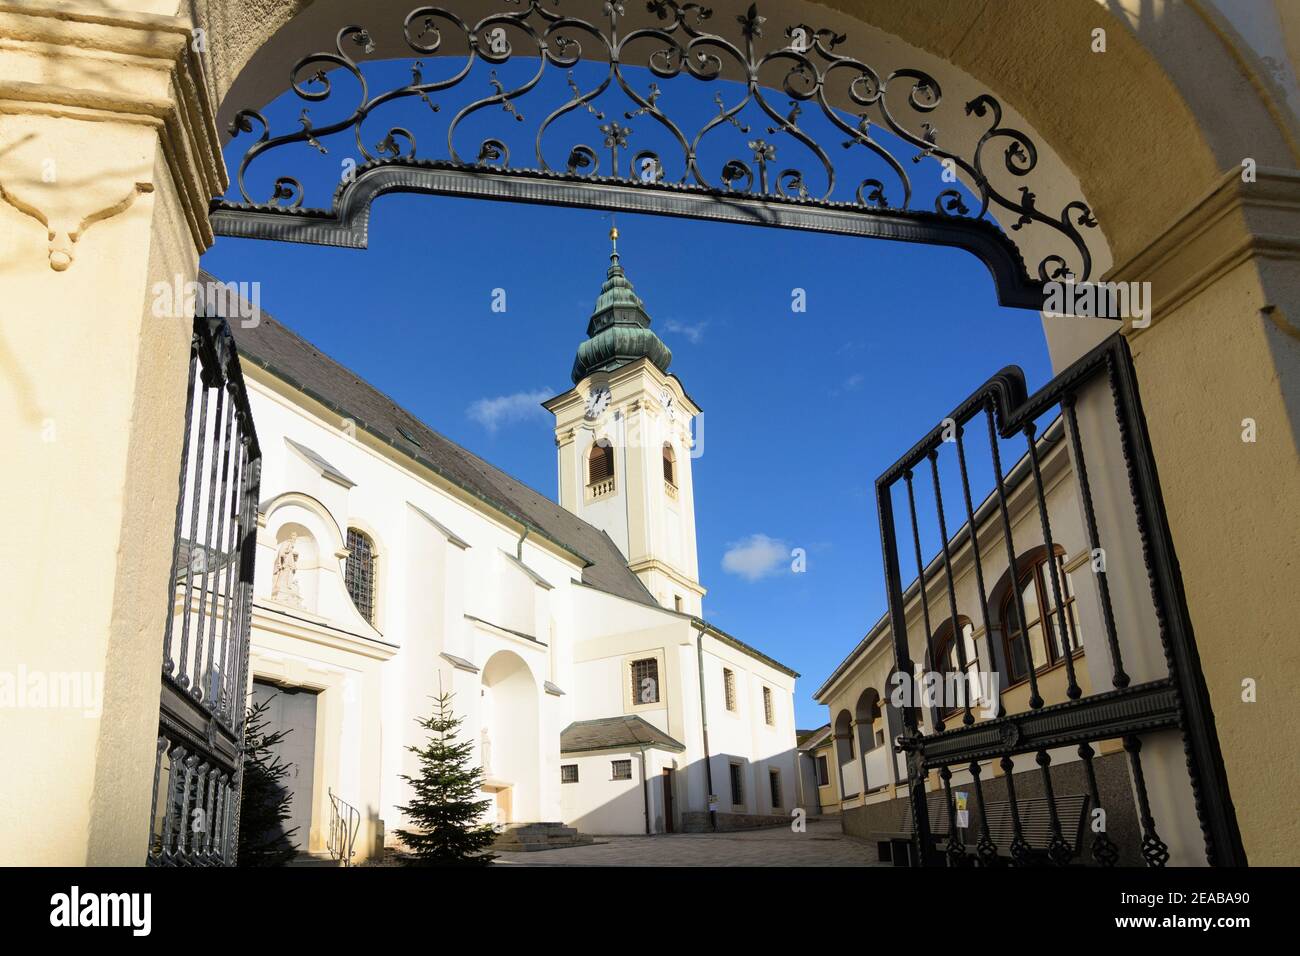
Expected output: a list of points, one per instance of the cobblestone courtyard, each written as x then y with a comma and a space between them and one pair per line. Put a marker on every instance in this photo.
822, 845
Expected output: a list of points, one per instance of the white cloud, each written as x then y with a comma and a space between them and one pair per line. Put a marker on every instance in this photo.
692, 333
755, 557
492, 413
850, 384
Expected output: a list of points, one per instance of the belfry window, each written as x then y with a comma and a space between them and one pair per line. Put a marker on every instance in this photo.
359, 573
670, 464
600, 463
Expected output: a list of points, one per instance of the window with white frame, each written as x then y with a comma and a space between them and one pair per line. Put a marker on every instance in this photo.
622, 769
823, 771
568, 773
737, 785
774, 778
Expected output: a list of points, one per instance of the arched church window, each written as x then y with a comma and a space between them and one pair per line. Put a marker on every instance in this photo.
670, 464
600, 462
359, 573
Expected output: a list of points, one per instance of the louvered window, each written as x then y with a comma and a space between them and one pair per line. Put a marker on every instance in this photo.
600, 465
670, 463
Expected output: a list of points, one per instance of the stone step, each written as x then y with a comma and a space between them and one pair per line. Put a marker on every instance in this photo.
523, 837
317, 858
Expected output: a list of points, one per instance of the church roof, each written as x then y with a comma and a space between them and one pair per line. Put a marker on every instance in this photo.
609, 733
619, 330
297, 362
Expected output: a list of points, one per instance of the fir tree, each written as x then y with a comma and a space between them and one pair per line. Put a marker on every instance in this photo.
444, 812
264, 801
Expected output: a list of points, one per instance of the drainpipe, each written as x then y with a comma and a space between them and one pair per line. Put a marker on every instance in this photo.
645, 793
798, 775
704, 726
519, 547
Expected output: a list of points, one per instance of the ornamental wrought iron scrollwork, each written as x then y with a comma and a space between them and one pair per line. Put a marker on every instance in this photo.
814, 74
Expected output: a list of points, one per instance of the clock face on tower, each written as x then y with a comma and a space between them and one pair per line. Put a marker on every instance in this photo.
666, 397
597, 402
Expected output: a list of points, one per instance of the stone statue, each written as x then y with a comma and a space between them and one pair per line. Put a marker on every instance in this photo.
284, 583
485, 745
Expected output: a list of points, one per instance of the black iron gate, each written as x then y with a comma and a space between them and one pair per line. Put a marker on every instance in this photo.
1129, 711
198, 769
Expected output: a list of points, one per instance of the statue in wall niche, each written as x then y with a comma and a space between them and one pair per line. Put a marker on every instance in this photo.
485, 746
284, 582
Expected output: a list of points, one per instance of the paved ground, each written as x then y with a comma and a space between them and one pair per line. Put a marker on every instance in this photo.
822, 845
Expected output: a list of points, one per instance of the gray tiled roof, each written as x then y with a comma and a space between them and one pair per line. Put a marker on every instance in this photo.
296, 361
609, 733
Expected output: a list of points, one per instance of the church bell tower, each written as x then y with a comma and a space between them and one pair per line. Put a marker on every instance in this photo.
623, 437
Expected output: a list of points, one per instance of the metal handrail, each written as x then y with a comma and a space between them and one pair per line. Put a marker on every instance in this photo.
345, 820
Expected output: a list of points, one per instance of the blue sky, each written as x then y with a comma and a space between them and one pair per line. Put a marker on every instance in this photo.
802, 410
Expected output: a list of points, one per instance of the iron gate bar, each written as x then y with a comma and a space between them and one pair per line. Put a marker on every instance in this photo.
814, 74
975, 551
1110, 714
1103, 849
958, 639
1179, 701
1201, 743
201, 719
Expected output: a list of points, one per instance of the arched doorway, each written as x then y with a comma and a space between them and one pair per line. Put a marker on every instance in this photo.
508, 743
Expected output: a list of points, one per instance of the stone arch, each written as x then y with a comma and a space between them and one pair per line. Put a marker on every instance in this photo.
1183, 63
844, 747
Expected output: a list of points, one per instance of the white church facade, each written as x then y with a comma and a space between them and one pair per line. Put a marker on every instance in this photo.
392, 563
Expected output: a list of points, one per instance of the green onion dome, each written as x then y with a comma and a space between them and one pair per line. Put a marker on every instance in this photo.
619, 330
